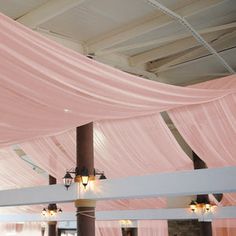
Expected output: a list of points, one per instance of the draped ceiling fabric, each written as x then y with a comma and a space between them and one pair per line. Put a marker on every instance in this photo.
143, 141
103, 228
21, 229
13, 172
152, 228
210, 128
46, 88
108, 228
224, 227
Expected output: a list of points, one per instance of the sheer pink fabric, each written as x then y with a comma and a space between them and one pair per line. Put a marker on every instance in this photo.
210, 128
131, 204
108, 228
226, 227
152, 228
142, 141
15, 173
26, 229
46, 88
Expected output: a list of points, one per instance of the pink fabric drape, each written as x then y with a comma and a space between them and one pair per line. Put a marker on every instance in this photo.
210, 128
46, 88
152, 228
15, 173
21, 229
108, 228
131, 204
226, 227
143, 141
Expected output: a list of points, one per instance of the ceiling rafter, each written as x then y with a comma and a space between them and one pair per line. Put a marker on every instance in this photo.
222, 43
165, 40
114, 38
169, 49
47, 11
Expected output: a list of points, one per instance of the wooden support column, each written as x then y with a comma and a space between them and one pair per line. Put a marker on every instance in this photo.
52, 228
205, 227
129, 232
52, 225
85, 158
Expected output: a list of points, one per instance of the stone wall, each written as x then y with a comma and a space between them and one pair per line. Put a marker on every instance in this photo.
183, 228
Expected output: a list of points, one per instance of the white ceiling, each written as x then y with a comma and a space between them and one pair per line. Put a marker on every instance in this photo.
16, 8
132, 34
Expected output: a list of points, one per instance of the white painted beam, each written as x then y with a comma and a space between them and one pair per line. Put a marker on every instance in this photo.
166, 214
158, 185
132, 31
38, 195
122, 63
115, 60
228, 212
166, 184
168, 50
222, 43
47, 11
65, 41
167, 39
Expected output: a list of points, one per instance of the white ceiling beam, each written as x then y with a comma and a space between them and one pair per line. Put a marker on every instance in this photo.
165, 40
115, 60
158, 185
65, 41
167, 214
166, 184
225, 41
182, 20
133, 31
47, 11
38, 195
122, 63
228, 212
167, 50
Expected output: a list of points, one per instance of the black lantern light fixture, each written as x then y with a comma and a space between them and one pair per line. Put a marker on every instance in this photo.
51, 210
81, 176
203, 207
193, 206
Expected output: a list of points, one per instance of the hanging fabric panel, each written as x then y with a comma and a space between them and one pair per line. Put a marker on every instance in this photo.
224, 227
143, 141
152, 228
210, 128
46, 88
108, 228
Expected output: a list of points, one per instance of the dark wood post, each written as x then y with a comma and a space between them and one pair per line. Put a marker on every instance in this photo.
205, 227
85, 158
129, 232
52, 225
